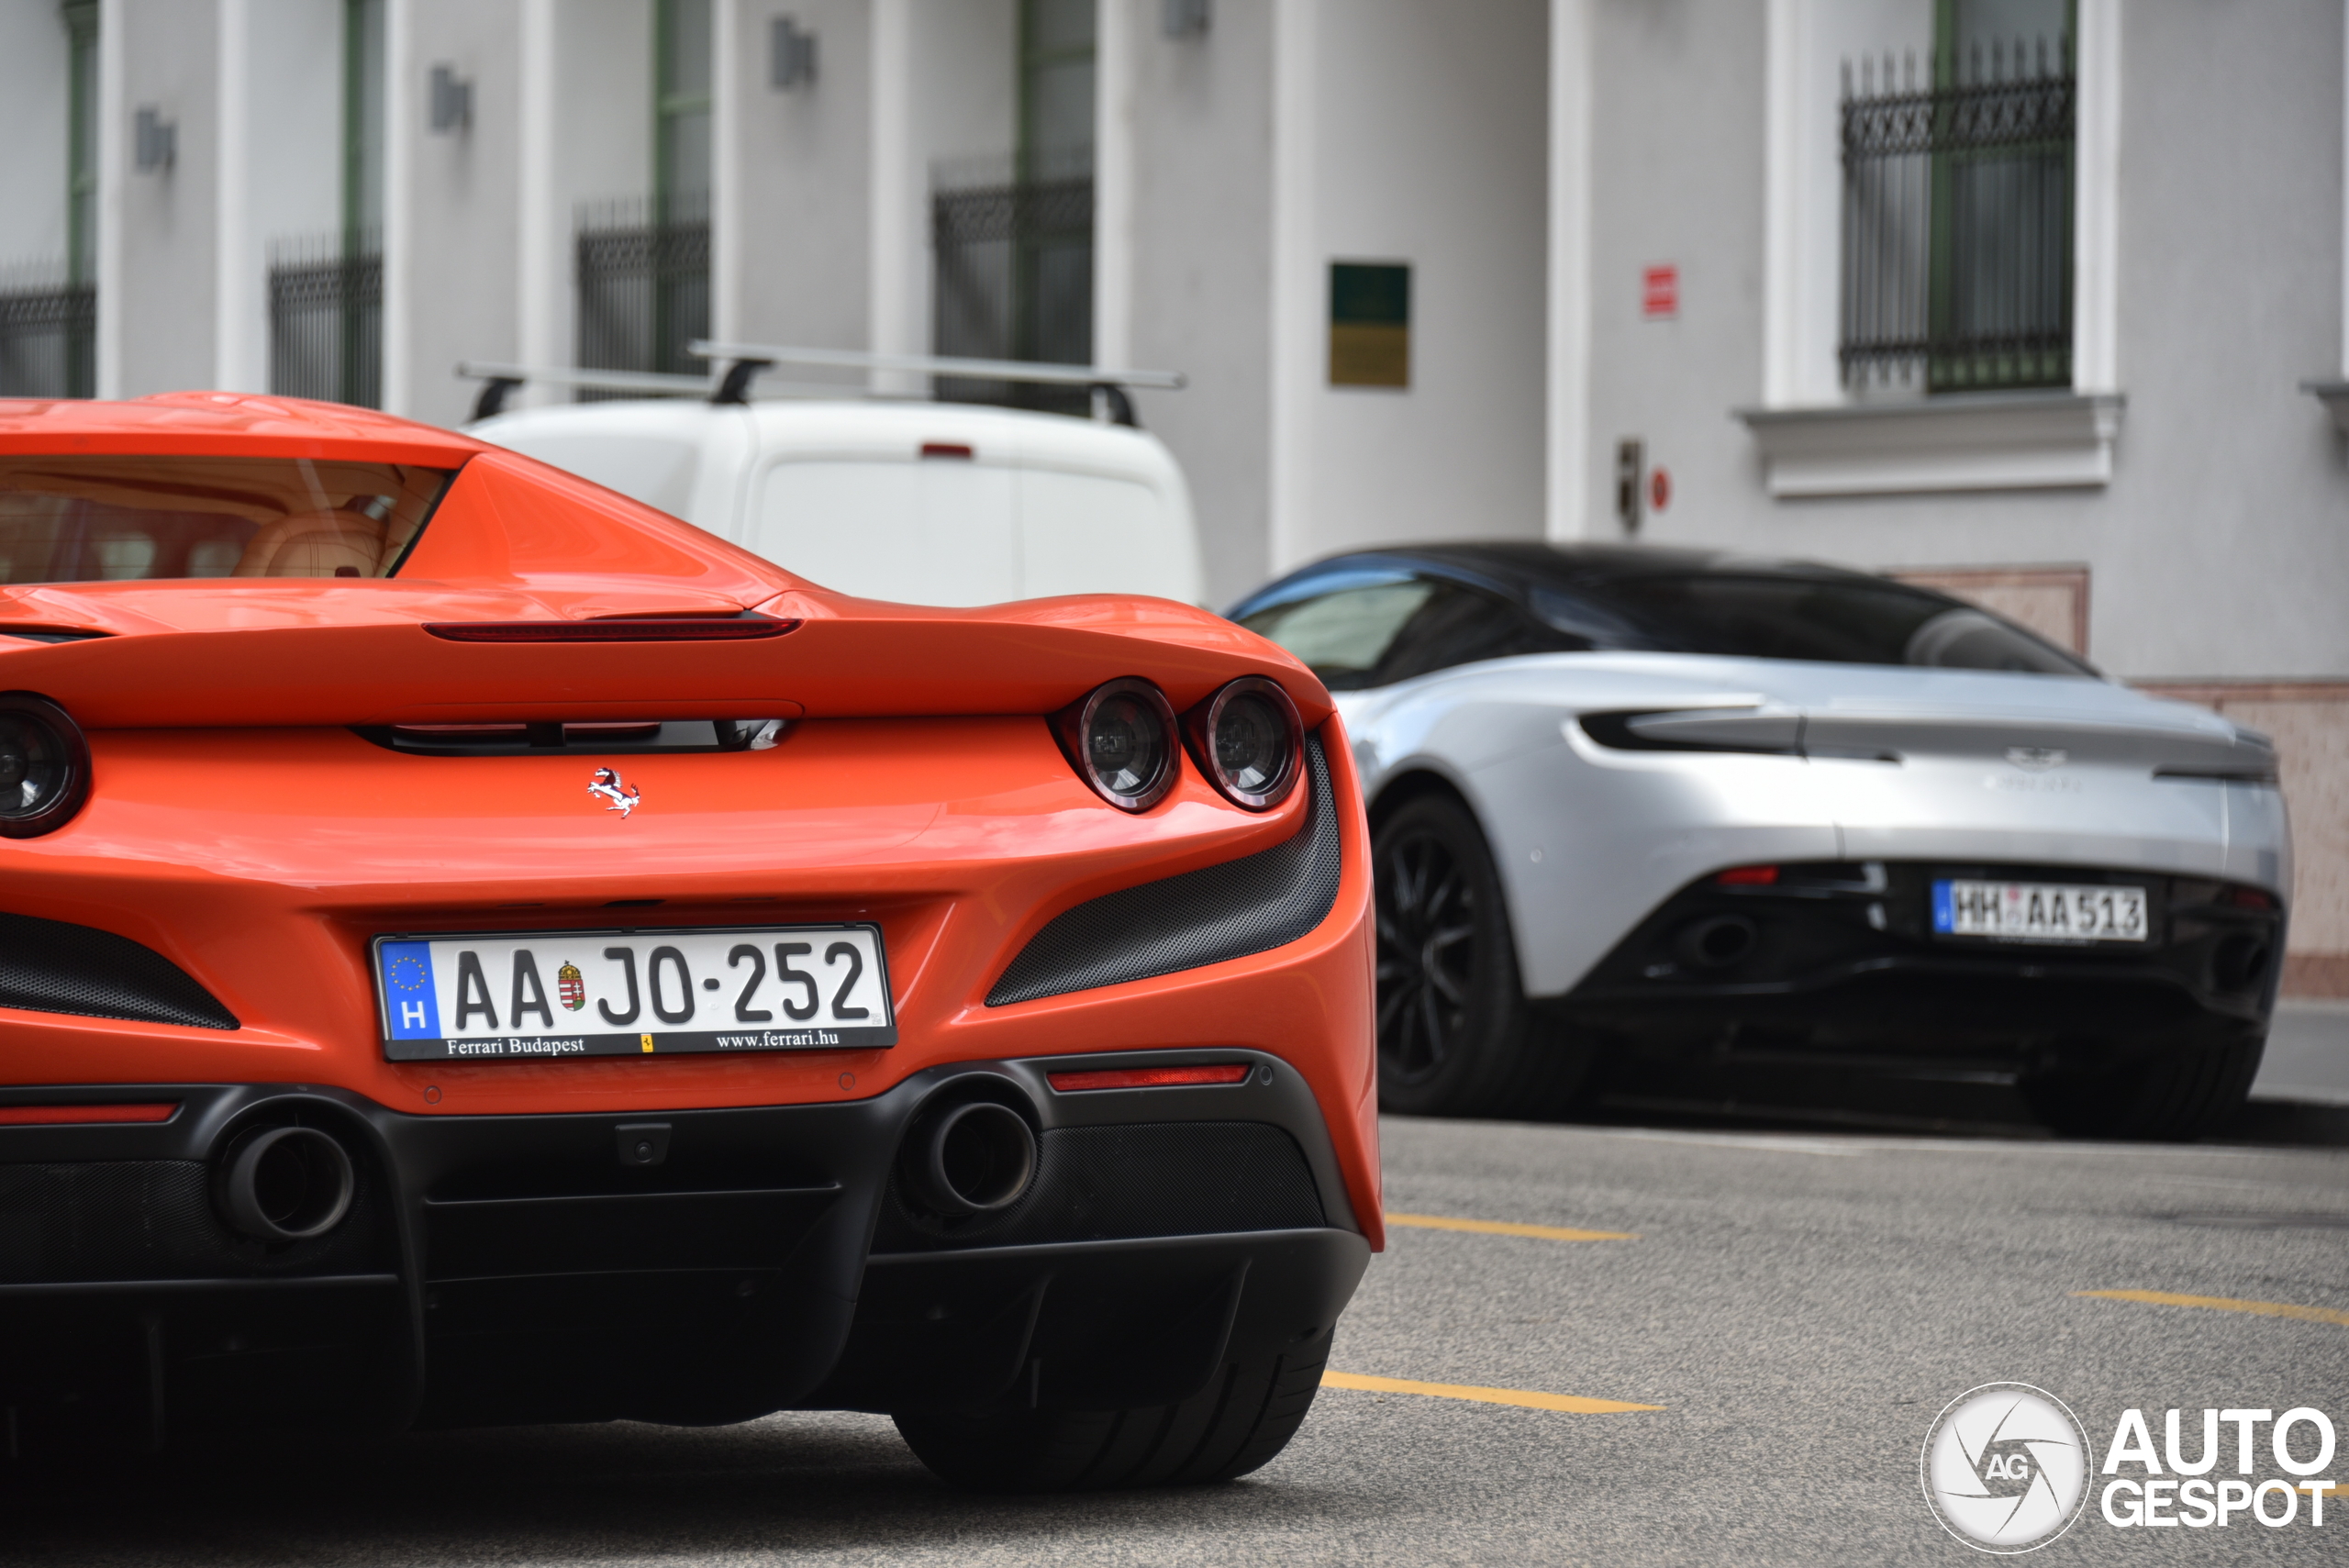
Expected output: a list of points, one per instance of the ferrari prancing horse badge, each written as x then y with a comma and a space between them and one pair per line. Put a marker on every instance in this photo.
621, 798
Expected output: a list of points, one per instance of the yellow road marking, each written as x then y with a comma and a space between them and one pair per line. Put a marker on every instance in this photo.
1504, 1228
1573, 1403
2225, 1304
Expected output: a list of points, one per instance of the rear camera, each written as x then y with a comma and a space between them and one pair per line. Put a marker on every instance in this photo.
44, 765
1122, 739
1247, 738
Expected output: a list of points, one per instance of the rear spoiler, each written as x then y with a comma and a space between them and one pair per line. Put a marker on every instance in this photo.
844, 657
744, 364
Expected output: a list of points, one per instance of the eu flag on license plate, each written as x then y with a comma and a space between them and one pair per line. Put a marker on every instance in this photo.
411, 1008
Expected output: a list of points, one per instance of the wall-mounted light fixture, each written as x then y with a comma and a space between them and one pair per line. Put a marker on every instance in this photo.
155, 143
453, 101
791, 55
1630, 464
1183, 19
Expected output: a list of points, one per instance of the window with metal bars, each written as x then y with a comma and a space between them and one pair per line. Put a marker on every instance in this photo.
642, 266
326, 294
326, 318
1957, 213
49, 324
1013, 242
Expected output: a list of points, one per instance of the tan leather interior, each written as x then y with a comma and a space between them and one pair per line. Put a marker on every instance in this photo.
312, 544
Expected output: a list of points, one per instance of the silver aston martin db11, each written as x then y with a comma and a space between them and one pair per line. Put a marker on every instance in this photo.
1643, 803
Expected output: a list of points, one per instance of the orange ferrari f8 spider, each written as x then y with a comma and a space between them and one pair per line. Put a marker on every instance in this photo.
479, 951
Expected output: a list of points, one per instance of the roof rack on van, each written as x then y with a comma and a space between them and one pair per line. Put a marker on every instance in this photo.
746, 362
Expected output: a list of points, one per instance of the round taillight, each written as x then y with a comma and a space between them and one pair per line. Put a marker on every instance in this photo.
1249, 742
44, 765
1122, 739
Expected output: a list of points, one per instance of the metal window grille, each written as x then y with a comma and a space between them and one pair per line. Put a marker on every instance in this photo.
49, 335
1958, 223
326, 319
643, 289
1014, 281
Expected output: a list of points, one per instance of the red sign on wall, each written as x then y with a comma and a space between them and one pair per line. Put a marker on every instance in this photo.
1660, 292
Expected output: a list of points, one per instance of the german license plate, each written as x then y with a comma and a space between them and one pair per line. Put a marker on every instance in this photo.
2039, 912
540, 993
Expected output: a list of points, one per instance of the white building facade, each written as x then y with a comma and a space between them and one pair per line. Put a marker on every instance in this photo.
2044, 301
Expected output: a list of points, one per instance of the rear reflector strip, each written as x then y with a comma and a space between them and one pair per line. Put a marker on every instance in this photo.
680, 628
46, 1116
1748, 876
1149, 1077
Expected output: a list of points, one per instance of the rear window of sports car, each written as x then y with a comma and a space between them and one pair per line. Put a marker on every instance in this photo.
1831, 620
1368, 625
127, 518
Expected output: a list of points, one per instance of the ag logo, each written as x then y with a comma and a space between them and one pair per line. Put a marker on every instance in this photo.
2005, 1468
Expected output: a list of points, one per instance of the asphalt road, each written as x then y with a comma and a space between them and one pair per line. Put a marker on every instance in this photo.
1800, 1300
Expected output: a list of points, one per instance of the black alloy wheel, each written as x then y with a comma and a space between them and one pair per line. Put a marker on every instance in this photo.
1455, 1034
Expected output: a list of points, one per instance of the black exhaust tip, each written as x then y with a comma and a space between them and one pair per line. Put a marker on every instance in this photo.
975, 1157
2241, 962
285, 1184
1717, 942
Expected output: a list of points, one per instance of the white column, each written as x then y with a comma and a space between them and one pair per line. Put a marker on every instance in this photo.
892, 309
2095, 235
114, 173
1567, 436
541, 291
1115, 61
1786, 201
1298, 283
240, 313
402, 86
725, 260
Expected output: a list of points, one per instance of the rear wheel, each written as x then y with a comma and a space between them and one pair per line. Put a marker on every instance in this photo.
1237, 1423
1455, 1034
2181, 1094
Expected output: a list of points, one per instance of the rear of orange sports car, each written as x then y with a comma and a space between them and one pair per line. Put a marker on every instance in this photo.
474, 949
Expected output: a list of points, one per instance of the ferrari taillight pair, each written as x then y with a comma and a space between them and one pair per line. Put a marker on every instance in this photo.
1246, 738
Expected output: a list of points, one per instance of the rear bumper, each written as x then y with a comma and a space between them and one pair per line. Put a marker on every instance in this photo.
1842, 954
513, 1269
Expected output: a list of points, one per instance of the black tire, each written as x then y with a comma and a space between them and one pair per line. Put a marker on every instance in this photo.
1244, 1416
2178, 1094
1455, 1035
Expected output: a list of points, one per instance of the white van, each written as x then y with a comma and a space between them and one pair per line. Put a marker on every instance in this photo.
924, 502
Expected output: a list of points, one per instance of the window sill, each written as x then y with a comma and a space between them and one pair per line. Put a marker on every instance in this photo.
2022, 440
2334, 395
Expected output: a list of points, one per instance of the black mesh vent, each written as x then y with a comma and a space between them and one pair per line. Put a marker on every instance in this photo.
1258, 902
151, 1219
1103, 1183
49, 966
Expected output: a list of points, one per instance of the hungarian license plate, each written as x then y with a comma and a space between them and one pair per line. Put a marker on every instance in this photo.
2038, 911
540, 993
